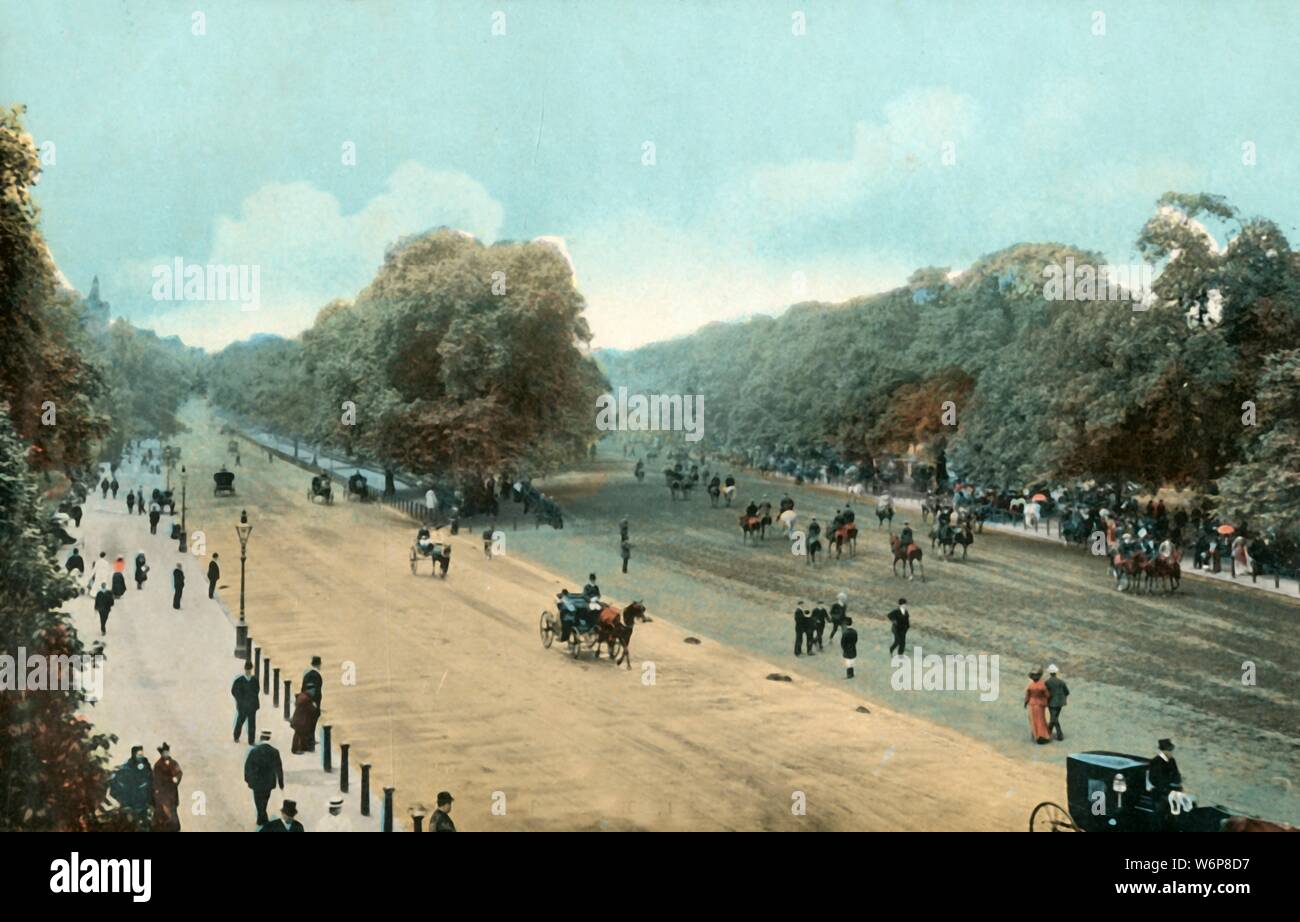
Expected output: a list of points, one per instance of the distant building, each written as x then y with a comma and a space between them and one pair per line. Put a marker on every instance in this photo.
96, 316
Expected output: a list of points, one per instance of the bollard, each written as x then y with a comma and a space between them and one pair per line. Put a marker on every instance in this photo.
417, 822
275, 684
241, 641
257, 662
343, 766
288, 698
387, 820
266, 680
365, 788
325, 748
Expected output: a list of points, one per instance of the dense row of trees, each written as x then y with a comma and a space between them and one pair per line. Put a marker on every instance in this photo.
460, 359
72, 390
1044, 389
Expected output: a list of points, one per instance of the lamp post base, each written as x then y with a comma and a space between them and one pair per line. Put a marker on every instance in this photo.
241, 641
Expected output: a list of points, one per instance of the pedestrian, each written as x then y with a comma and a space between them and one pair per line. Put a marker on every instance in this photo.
441, 819
139, 500
802, 627
103, 487
1036, 698
314, 685
103, 605
166, 791
99, 571
335, 821
236, 459
113, 485
625, 551
244, 691
303, 723
817, 624
444, 559
155, 513
132, 787
286, 821
130, 503
623, 529
900, 620
141, 570
263, 772
178, 586
119, 577
487, 542
214, 574
848, 646
75, 513
1057, 692
839, 612
76, 563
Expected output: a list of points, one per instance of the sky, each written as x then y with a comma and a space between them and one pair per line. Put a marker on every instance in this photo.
802, 150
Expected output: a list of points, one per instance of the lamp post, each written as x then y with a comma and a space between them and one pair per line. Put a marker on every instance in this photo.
243, 529
184, 477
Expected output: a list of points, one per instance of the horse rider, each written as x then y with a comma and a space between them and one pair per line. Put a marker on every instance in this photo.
848, 514
905, 539
786, 503
885, 501
752, 509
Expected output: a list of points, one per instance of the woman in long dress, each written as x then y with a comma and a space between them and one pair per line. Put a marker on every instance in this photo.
303, 722
166, 792
1036, 698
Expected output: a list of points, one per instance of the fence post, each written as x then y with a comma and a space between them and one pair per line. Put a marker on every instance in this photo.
387, 820
326, 751
266, 680
365, 788
275, 683
417, 822
257, 661
287, 698
343, 766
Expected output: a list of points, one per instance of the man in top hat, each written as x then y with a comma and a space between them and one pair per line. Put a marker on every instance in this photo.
263, 771
285, 822
848, 646
314, 685
214, 574
244, 691
1057, 692
335, 821
802, 629
166, 791
900, 620
441, 819
1162, 778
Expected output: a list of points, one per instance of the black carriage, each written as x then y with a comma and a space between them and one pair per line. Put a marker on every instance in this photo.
1107, 792
579, 618
357, 488
322, 487
165, 500
425, 548
223, 483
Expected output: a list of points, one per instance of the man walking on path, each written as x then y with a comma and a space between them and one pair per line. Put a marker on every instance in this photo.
625, 551
139, 500
839, 613
113, 485
263, 772
244, 691
103, 488
166, 791
214, 574
141, 570
441, 819
314, 686
130, 503
802, 630
285, 822
155, 513
103, 605
849, 646
178, 586
1057, 692
900, 620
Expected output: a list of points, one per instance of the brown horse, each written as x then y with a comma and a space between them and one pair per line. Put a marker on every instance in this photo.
615, 630
1167, 571
1128, 573
910, 556
752, 525
1250, 824
846, 533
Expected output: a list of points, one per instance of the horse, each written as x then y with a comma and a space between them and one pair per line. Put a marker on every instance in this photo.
1031, 517
729, 493
787, 520
846, 533
1251, 824
714, 493
750, 525
884, 513
910, 556
929, 506
1125, 570
615, 627
1167, 571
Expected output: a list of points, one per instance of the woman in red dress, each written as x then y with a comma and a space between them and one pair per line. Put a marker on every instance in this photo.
1036, 698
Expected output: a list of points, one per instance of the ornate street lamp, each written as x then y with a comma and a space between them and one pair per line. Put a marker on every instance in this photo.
184, 477
243, 529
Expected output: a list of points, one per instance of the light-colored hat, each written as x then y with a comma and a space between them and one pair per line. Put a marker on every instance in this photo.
1052, 668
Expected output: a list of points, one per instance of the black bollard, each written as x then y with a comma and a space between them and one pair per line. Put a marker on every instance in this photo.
241, 641
257, 662
275, 684
288, 698
365, 788
417, 822
343, 766
266, 680
325, 753
386, 824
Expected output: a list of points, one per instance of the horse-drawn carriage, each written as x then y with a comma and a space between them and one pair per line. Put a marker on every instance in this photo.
1106, 792
584, 623
425, 548
357, 488
165, 500
223, 483
678, 482
321, 486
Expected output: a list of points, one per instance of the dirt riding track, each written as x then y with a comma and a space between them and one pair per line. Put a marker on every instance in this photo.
453, 689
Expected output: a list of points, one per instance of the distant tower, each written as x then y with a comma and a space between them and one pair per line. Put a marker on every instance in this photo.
96, 314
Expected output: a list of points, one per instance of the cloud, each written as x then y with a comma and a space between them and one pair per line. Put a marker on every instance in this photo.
308, 251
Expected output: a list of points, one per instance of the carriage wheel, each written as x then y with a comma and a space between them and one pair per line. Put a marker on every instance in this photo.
1048, 817
413, 560
547, 631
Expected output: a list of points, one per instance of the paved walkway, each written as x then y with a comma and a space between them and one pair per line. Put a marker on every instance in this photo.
168, 675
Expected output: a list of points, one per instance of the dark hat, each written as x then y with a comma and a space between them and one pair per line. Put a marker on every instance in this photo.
902, 601
264, 735
1166, 745
591, 576
290, 807
248, 664
444, 797
164, 748
136, 749
847, 620
315, 660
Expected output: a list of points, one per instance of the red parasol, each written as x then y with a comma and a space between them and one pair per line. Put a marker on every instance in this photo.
1039, 498
1226, 529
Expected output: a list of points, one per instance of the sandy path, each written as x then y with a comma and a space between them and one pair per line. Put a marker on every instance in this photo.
453, 690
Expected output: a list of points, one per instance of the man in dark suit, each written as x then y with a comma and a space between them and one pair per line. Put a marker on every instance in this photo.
1163, 777
1057, 692
900, 620
849, 646
285, 822
802, 630
441, 819
263, 772
244, 691
178, 586
104, 600
214, 574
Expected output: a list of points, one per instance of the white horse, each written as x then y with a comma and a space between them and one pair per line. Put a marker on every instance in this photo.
787, 520
729, 493
857, 489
